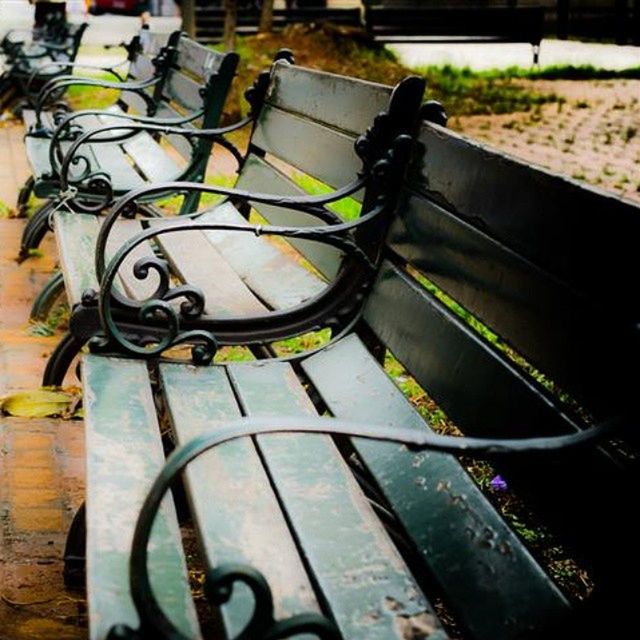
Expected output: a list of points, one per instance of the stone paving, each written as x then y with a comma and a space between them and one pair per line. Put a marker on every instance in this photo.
41, 461
593, 136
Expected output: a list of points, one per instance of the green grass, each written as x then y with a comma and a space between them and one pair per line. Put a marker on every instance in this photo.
347, 208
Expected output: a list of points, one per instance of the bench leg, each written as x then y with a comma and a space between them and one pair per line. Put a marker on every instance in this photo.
60, 360
24, 195
47, 297
35, 230
75, 551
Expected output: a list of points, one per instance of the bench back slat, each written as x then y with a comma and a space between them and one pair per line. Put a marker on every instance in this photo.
260, 176
525, 251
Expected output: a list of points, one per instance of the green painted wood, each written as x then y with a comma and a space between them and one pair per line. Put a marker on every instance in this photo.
423, 334
364, 581
179, 143
322, 152
549, 323
492, 583
196, 59
344, 103
124, 454
76, 237
260, 176
234, 508
151, 159
196, 262
274, 277
183, 90
553, 221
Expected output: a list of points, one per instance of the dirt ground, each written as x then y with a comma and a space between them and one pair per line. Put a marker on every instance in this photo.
592, 136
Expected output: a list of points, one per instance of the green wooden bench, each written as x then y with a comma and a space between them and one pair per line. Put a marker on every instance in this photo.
185, 84
486, 277
25, 68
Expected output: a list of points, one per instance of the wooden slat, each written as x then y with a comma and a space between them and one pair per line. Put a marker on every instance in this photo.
142, 68
485, 394
183, 90
259, 176
76, 237
124, 455
197, 263
345, 103
198, 60
179, 143
151, 159
553, 221
330, 157
550, 324
364, 581
234, 508
276, 278
495, 587
423, 334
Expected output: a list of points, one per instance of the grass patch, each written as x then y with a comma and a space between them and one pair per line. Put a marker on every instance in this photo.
82, 97
347, 208
350, 52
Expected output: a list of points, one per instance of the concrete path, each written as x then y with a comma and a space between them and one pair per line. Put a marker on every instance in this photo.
503, 55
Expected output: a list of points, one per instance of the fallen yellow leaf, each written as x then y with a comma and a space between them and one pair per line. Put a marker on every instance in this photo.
40, 403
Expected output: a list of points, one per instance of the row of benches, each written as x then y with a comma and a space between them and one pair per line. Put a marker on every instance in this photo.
494, 287
410, 23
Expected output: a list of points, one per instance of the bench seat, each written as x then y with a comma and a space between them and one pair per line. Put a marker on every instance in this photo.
258, 500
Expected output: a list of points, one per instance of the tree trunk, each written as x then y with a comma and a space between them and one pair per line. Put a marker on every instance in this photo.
230, 22
189, 17
266, 17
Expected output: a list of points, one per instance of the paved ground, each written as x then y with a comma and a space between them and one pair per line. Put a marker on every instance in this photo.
594, 136
502, 55
41, 465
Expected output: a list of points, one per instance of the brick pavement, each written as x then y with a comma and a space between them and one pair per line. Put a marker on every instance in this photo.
41, 460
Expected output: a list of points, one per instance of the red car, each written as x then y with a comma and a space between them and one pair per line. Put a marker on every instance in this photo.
127, 7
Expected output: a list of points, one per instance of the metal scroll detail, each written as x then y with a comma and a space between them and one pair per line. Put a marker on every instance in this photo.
385, 150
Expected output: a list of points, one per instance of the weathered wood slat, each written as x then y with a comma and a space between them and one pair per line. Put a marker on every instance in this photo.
197, 263
276, 278
552, 325
198, 60
259, 176
347, 104
495, 587
179, 143
331, 158
565, 237
183, 90
151, 159
124, 454
368, 588
76, 236
234, 508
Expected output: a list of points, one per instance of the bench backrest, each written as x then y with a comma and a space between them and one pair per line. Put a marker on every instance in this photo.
505, 293
512, 24
304, 140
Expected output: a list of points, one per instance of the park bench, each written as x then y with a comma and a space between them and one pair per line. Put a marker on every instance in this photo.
27, 68
210, 19
185, 84
492, 275
411, 22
